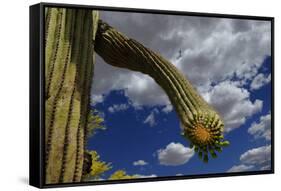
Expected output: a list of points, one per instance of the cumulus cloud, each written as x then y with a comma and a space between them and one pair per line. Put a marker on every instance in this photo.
256, 158
139, 88
168, 108
174, 154
266, 167
262, 129
241, 168
118, 107
96, 99
259, 81
232, 102
260, 156
150, 119
139, 163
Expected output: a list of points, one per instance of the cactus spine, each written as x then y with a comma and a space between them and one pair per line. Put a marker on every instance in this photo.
201, 124
68, 74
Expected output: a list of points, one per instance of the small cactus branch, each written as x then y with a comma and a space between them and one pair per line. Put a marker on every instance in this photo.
69, 65
201, 124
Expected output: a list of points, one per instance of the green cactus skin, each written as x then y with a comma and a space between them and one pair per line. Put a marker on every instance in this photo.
69, 62
201, 124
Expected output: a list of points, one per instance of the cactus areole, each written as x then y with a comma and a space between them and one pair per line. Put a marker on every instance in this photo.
200, 123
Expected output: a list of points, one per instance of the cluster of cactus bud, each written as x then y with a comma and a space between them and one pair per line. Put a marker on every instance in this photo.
205, 133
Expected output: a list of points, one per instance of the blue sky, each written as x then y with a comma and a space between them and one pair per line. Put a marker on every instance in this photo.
227, 60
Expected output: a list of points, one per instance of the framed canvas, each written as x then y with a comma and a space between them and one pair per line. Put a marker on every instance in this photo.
123, 95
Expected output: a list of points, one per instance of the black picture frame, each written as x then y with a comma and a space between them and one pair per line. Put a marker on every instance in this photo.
37, 106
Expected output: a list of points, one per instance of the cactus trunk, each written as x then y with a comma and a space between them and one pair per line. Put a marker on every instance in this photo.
201, 124
69, 62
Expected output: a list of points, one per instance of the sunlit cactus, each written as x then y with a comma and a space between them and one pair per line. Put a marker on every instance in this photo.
201, 124
68, 75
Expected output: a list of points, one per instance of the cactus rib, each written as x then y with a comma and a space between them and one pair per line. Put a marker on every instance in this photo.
52, 56
200, 123
76, 57
61, 75
48, 15
84, 85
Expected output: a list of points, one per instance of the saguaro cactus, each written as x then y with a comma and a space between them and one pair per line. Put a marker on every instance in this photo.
200, 122
68, 74
71, 37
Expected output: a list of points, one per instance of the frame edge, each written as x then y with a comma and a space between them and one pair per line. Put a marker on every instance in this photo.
35, 138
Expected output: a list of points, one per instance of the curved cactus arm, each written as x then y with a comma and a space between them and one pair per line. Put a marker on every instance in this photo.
201, 124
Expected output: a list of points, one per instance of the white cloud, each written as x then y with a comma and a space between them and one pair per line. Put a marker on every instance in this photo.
139, 88
145, 176
174, 154
150, 119
96, 99
262, 129
257, 156
118, 107
139, 163
224, 50
232, 102
259, 81
168, 108
241, 168
266, 167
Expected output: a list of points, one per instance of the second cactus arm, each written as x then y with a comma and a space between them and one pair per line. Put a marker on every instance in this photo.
201, 124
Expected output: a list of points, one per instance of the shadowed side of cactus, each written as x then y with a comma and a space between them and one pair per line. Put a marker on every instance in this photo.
68, 74
201, 124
